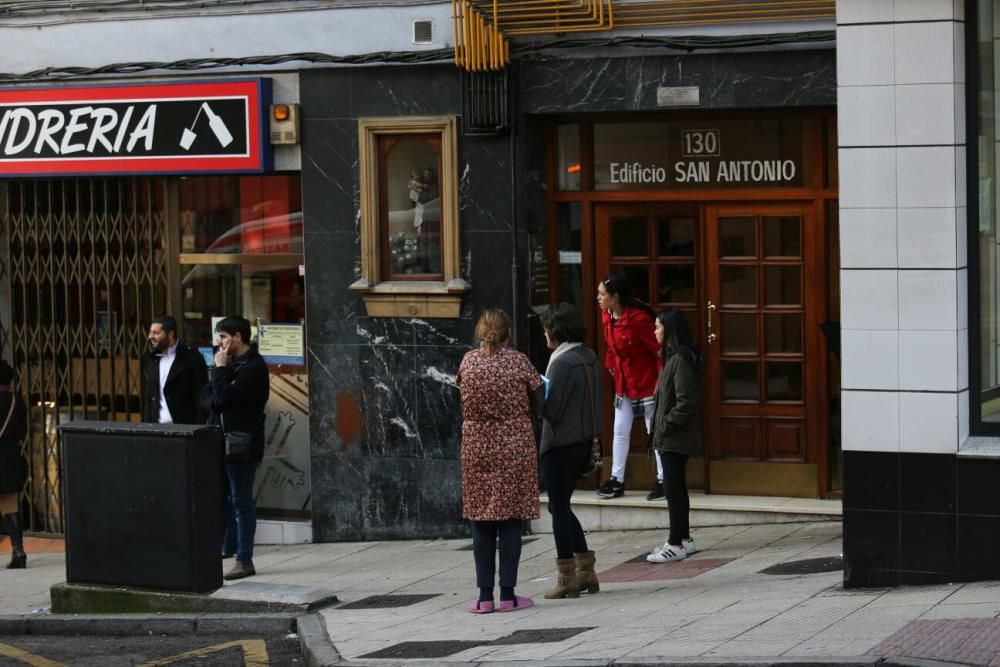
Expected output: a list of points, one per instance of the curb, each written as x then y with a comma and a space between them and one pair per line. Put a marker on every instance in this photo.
720, 661
125, 625
317, 649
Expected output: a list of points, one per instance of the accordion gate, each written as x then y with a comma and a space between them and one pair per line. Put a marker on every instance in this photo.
86, 270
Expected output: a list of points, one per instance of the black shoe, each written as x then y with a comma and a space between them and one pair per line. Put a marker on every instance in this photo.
611, 489
656, 493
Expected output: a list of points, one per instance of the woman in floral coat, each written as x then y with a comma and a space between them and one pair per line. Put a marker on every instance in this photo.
499, 465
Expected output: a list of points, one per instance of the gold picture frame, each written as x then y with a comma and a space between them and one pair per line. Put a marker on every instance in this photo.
384, 297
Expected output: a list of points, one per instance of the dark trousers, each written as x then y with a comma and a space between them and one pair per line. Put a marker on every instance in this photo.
228, 519
560, 469
241, 476
676, 490
484, 550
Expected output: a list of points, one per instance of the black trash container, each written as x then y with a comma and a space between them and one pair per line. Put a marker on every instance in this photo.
143, 505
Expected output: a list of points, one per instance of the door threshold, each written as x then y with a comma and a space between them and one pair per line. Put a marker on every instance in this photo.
633, 512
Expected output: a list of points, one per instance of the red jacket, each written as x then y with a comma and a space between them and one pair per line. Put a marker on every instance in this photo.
633, 353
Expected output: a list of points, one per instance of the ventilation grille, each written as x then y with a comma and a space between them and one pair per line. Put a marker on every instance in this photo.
485, 102
423, 32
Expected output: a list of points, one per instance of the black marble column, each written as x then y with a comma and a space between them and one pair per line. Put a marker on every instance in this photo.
385, 413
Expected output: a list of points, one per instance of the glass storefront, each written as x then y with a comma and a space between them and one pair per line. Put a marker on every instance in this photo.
986, 252
241, 242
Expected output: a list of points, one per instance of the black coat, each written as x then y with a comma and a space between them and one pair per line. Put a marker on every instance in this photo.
13, 469
188, 374
239, 392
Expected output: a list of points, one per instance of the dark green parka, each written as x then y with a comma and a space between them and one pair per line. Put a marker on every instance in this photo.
676, 415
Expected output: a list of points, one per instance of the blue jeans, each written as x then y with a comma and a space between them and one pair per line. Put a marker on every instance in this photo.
240, 477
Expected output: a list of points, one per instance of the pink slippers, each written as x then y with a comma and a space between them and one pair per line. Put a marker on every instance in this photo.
477, 607
521, 603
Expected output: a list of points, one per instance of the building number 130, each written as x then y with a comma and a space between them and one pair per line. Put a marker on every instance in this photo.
700, 143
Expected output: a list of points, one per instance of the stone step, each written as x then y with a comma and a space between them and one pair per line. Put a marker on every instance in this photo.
633, 512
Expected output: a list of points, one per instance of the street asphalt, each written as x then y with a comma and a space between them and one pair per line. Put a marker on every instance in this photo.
405, 603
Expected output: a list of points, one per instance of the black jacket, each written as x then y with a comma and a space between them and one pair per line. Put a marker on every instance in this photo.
569, 411
188, 374
13, 467
239, 392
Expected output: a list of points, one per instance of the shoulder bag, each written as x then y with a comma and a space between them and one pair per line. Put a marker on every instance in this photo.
239, 444
595, 461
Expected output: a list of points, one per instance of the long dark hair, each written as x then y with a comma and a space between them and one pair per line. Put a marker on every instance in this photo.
677, 336
616, 284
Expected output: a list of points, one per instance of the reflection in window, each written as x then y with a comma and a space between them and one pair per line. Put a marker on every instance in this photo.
568, 162
411, 204
988, 251
259, 215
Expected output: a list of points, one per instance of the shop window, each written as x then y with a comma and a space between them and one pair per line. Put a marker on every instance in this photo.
409, 217
241, 253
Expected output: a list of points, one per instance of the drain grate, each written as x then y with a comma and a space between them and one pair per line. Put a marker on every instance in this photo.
538, 636
807, 566
416, 650
388, 601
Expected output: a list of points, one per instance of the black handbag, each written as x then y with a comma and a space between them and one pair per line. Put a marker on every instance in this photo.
595, 460
239, 444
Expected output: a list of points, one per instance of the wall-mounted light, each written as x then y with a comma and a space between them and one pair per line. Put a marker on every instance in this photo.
284, 123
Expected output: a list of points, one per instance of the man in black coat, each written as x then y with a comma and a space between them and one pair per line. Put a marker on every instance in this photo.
175, 375
236, 398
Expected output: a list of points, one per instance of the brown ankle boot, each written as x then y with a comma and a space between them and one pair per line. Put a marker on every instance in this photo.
567, 586
585, 575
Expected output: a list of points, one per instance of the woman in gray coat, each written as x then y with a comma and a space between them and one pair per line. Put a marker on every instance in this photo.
571, 421
676, 431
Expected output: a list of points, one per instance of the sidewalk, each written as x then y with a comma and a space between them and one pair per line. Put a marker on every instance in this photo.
715, 607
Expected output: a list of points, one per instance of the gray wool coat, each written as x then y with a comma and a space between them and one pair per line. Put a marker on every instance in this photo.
570, 414
677, 414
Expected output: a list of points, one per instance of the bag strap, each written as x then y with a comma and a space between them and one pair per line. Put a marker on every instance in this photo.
10, 412
590, 391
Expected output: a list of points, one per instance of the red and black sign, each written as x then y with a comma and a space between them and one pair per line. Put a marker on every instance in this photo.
189, 127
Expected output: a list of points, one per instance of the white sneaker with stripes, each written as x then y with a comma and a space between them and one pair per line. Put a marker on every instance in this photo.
667, 553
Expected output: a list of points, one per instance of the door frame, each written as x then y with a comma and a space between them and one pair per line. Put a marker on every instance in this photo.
818, 192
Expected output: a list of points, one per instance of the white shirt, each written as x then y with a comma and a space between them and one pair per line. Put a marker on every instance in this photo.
166, 361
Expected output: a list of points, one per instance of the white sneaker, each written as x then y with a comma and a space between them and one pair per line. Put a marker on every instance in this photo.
689, 546
667, 553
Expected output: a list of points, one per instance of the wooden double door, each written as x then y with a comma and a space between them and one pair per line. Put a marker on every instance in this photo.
750, 279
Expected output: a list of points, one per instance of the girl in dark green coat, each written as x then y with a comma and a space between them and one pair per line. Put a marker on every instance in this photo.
676, 431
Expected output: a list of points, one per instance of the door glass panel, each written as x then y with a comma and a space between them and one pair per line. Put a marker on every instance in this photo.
739, 381
738, 237
676, 237
739, 285
783, 332
784, 381
628, 237
783, 285
738, 333
568, 140
570, 263
782, 236
676, 284
637, 278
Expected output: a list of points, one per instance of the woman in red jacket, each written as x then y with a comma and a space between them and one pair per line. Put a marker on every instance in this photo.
634, 362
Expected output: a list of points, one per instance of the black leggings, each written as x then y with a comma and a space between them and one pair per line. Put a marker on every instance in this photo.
484, 550
560, 470
676, 490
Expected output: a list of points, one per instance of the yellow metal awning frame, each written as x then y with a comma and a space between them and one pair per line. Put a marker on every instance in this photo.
483, 27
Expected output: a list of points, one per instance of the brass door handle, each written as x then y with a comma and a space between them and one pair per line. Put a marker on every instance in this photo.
711, 335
